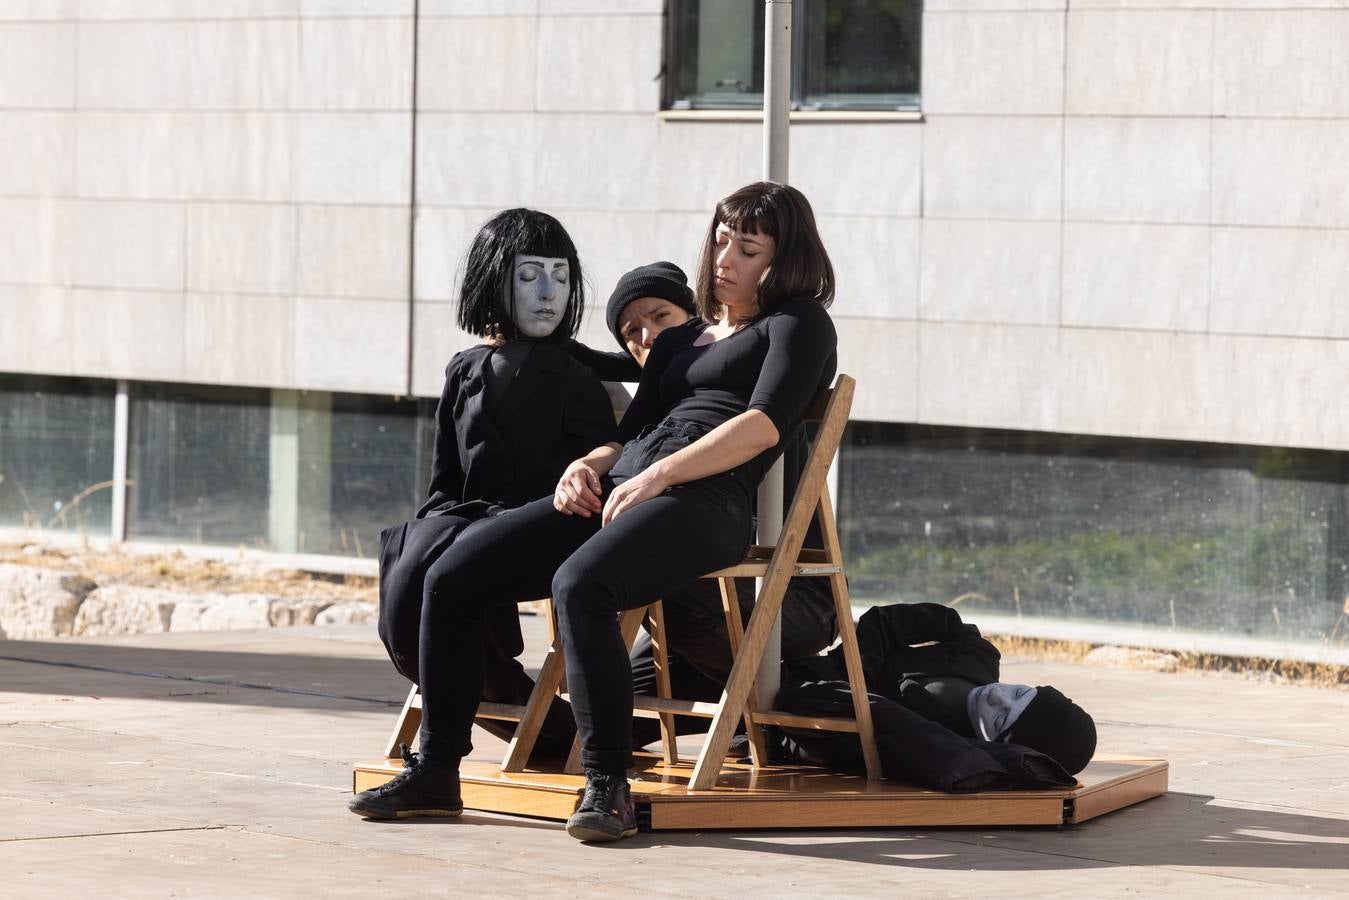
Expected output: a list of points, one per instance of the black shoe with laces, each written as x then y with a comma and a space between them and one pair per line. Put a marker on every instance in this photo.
606, 812
422, 789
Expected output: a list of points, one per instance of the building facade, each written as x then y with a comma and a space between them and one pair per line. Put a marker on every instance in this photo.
1093, 265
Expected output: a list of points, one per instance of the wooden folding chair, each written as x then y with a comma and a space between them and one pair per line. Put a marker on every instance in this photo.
410, 717
776, 566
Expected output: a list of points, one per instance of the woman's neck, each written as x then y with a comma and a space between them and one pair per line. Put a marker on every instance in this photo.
739, 316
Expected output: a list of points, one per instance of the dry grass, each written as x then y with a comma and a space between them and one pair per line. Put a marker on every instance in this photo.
173, 570
1272, 671
1041, 650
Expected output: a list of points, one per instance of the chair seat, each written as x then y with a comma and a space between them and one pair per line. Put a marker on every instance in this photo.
753, 568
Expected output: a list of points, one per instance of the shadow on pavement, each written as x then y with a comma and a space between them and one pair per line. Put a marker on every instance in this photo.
1172, 830
199, 675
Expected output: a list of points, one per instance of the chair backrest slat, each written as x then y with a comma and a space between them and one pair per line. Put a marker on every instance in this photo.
834, 406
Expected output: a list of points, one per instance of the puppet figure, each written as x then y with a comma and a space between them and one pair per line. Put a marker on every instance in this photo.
514, 412
942, 718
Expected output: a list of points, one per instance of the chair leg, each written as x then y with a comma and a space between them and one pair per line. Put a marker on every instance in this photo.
741, 681
659, 646
409, 720
536, 710
852, 657
730, 605
552, 674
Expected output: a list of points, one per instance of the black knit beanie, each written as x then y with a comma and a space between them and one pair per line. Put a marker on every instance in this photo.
1058, 728
659, 279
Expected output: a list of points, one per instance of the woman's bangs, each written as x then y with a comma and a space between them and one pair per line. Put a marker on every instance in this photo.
548, 241
751, 215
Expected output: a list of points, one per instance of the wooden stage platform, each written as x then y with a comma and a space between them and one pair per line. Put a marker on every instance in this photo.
792, 797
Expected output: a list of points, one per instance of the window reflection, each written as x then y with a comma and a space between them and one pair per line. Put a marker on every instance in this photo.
1217, 538
56, 438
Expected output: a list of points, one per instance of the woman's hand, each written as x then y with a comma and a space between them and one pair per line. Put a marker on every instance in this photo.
578, 491
631, 492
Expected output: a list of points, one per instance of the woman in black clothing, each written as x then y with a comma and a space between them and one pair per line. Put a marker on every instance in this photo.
630, 523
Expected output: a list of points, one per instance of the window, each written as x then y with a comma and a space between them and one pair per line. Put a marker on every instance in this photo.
1214, 538
56, 453
291, 471
199, 462
846, 54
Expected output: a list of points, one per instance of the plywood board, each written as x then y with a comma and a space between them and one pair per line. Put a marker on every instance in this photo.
802, 797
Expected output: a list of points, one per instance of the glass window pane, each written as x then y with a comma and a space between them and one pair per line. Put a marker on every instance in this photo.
56, 437
289, 471
1221, 539
199, 459
714, 54
847, 54
380, 468
858, 53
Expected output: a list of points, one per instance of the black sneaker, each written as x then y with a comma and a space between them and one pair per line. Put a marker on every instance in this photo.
739, 747
606, 812
421, 789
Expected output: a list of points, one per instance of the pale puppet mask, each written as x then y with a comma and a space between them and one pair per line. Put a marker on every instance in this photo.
536, 296
994, 708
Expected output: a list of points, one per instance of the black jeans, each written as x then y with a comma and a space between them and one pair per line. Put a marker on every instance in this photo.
651, 551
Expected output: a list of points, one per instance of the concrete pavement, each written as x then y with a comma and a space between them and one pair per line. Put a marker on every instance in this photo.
218, 765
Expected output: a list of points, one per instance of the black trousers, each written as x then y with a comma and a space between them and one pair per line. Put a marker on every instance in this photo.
650, 552
406, 553
911, 747
699, 654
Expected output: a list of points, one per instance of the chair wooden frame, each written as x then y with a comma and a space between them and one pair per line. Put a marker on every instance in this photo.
410, 716
775, 566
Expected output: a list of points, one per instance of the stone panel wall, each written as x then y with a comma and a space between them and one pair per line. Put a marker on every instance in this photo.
1116, 216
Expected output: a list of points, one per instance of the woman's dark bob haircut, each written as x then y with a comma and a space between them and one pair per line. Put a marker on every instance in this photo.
489, 273
800, 266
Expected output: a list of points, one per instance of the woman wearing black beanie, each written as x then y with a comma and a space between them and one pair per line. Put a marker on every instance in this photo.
630, 522
659, 281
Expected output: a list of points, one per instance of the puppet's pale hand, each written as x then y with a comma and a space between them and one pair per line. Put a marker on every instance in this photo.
578, 491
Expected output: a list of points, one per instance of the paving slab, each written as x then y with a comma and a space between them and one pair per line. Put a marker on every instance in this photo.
218, 765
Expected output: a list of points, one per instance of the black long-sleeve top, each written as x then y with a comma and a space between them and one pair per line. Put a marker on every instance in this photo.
619, 365
776, 365
512, 450
608, 365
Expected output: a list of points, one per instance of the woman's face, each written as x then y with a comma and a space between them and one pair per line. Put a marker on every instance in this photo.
740, 261
643, 319
542, 287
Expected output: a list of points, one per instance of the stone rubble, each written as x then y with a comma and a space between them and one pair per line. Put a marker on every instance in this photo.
1133, 658
348, 613
125, 609
41, 603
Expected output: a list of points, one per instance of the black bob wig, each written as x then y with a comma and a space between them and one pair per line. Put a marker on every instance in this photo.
488, 273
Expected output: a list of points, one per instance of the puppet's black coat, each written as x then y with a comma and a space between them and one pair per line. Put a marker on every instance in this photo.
918, 740
487, 460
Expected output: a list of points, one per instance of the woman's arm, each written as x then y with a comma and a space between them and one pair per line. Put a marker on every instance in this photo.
578, 490
801, 359
730, 444
617, 365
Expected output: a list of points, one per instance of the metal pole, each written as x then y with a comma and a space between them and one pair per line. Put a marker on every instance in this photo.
121, 423
777, 79
776, 117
